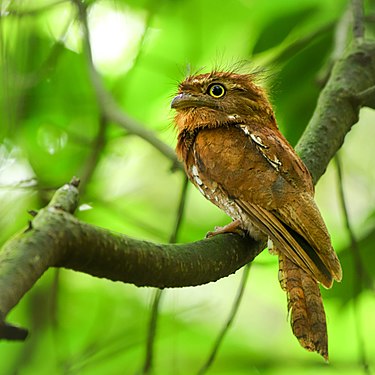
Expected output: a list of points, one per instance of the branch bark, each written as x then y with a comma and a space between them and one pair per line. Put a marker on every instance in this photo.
55, 238
338, 108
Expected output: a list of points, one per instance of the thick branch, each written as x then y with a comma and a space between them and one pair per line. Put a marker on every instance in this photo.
56, 238
338, 108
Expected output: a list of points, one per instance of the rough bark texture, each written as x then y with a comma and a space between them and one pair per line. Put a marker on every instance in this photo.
338, 108
55, 238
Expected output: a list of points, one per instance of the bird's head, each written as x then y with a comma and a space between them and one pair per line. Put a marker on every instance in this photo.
220, 99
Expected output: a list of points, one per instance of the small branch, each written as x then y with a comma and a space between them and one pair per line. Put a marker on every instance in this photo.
358, 18
151, 331
93, 159
232, 315
364, 278
180, 211
359, 271
367, 97
340, 36
109, 107
340, 42
357, 261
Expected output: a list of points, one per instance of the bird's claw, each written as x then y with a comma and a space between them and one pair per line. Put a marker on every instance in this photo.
233, 227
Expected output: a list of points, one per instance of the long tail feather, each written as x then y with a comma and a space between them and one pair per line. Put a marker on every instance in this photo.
307, 316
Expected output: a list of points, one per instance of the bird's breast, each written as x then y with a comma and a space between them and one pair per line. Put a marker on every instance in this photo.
199, 170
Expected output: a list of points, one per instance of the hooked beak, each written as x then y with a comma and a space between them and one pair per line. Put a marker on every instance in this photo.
185, 100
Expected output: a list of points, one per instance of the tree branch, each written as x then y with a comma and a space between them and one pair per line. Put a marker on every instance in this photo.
55, 238
338, 108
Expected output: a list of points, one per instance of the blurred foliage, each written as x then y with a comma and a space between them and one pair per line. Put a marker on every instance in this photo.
52, 129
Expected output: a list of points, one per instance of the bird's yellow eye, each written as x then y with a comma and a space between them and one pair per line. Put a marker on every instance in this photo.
216, 90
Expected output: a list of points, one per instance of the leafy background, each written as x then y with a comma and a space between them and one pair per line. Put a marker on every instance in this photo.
52, 128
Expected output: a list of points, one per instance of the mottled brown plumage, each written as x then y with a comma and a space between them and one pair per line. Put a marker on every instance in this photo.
235, 155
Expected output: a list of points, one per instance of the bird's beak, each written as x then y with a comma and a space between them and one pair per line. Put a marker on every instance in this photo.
185, 100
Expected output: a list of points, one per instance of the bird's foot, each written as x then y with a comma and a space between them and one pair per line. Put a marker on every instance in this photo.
233, 227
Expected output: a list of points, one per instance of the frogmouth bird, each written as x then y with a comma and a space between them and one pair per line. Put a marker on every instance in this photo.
234, 153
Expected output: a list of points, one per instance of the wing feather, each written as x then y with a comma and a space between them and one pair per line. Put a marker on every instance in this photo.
286, 242
263, 175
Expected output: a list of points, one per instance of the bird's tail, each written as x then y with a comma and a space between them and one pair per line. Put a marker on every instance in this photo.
305, 305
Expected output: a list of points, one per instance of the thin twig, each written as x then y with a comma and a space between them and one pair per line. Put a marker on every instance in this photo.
366, 97
151, 332
340, 41
54, 304
93, 159
180, 211
359, 270
232, 315
110, 108
341, 35
364, 278
358, 17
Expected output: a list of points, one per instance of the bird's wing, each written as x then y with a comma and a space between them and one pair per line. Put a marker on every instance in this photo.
309, 224
267, 180
289, 242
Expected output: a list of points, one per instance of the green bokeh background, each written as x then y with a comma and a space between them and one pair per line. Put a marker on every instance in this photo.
49, 123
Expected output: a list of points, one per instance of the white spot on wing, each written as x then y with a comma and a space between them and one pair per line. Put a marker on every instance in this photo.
274, 161
232, 117
257, 140
245, 129
194, 170
198, 180
195, 173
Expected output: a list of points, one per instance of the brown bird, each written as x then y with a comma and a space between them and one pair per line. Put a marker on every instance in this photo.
234, 153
